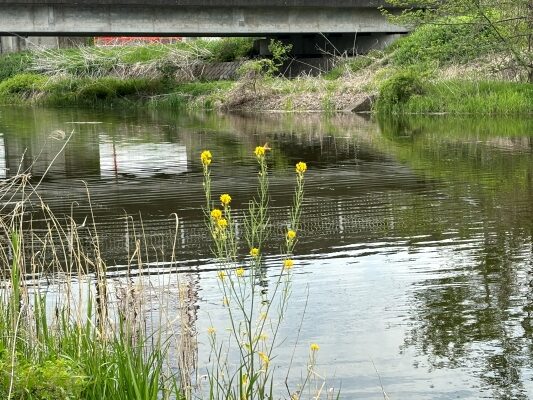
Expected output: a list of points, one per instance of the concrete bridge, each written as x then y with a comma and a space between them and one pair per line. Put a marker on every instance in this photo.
192, 17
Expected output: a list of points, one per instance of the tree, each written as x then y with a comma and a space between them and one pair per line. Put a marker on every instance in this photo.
508, 23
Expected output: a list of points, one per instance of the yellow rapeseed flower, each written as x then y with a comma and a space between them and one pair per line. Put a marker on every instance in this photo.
263, 316
222, 223
239, 272
288, 263
206, 157
301, 167
264, 358
225, 199
221, 275
291, 234
216, 213
254, 252
315, 347
211, 330
263, 337
260, 151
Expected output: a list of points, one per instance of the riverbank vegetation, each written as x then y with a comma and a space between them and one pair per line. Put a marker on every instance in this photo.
74, 325
460, 58
66, 332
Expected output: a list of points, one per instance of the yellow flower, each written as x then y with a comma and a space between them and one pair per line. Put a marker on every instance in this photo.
221, 275
291, 234
263, 337
260, 151
225, 301
216, 213
211, 330
288, 263
239, 272
263, 316
254, 252
222, 223
225, 199
206, 157
315, 347
301, 167
264, 358
244, 379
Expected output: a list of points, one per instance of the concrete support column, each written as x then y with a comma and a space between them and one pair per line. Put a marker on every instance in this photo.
13, 44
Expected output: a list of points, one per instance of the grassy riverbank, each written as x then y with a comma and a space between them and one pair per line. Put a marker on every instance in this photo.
426, 72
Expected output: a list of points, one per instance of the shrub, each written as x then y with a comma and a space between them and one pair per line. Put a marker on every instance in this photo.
230, 49
441, 44
398, 89
22, 84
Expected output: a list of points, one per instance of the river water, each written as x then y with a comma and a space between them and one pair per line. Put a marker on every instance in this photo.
414, 268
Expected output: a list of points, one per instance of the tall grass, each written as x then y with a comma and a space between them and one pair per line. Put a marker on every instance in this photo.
455, 97
68, 339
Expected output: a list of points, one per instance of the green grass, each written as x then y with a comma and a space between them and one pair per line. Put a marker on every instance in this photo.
187, 95
471, 97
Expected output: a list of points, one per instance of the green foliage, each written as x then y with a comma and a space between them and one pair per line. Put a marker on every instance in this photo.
22, 84
13, 64
231, 49
491, 25
254, 71
280, 54
105, 88
55, 379
471, 97
398, 89
440, 44
186, 95
143, 54
86, 91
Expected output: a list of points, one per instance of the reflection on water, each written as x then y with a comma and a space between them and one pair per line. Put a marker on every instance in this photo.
417, 233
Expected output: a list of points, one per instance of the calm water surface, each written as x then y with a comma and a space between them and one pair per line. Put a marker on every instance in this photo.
416, 248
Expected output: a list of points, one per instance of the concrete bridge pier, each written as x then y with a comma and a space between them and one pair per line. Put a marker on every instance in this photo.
13, 44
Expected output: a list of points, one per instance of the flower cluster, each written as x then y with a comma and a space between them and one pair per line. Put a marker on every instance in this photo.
206, 157
222, 223
216, 214
301, 167
225, 199
288, 263
260, 151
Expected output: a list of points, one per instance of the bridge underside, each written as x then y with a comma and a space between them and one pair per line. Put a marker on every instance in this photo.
161, 20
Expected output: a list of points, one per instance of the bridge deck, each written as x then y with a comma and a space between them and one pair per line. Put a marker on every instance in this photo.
213, 3
192, 17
